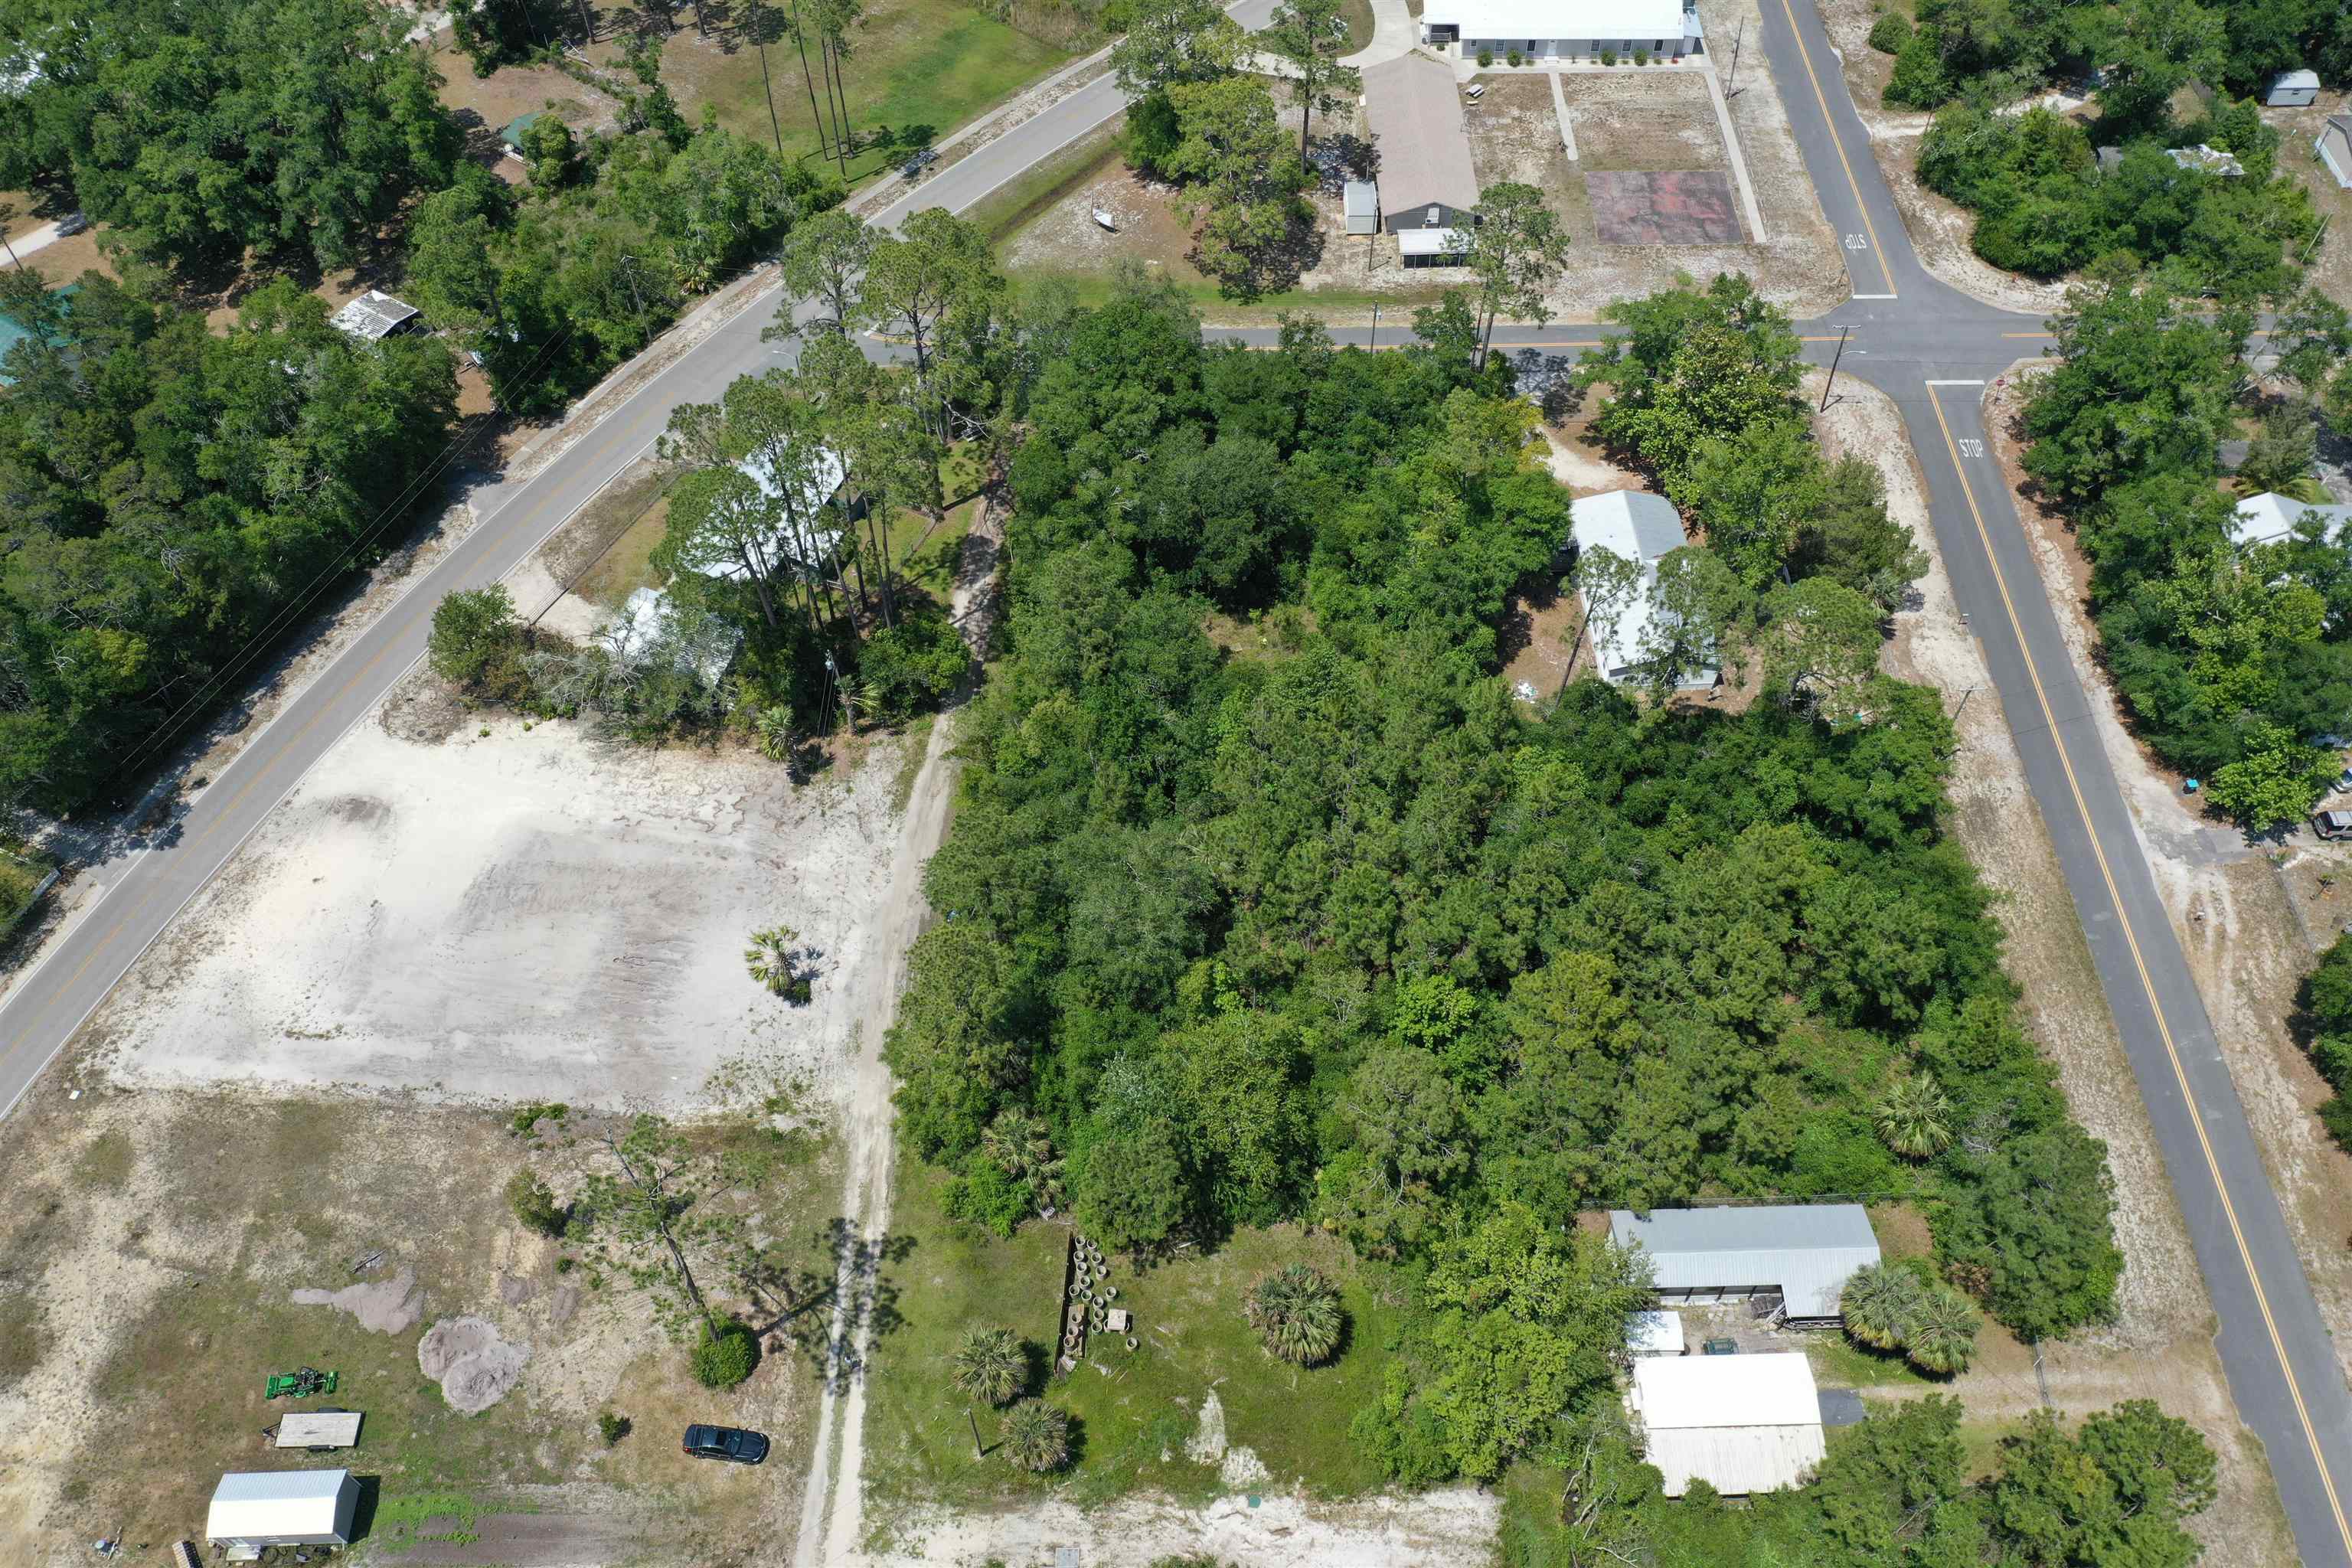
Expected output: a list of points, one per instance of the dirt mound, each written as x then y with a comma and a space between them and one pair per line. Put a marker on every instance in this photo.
387, 1307
474, 1366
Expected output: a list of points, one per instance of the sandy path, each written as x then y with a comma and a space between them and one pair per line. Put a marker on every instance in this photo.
832, 1510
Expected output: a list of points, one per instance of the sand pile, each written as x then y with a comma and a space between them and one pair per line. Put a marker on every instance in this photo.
387, 1307
474, 1366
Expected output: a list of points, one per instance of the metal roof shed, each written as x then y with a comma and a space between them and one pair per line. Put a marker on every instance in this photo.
1655, 1334
253, 1510
1805, 1251
1743, 1424
2291, 90
1362, 201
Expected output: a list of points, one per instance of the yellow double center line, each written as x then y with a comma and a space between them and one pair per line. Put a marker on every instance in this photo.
1806, 57
2139, 962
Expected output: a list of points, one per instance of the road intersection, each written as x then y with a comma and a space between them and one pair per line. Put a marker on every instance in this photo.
1929, 348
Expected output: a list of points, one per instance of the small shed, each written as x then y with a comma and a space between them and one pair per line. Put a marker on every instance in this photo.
1804, 1253
254, 1509
1743, 1424
1362, 204
517, 128
1643, 527
2333, 145
320, 1429
1655, 1334
2291, 90
375, 316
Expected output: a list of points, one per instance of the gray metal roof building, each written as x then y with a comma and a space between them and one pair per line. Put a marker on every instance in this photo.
1412, 108
1805, 1251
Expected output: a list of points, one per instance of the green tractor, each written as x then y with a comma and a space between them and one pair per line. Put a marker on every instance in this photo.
300, 1384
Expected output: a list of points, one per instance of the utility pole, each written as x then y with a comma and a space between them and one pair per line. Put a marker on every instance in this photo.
1834, 364
1727, 89
1376, 328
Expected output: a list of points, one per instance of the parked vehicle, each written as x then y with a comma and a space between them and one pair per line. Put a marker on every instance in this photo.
72, 223
732, 1444
913, 167
2331, 824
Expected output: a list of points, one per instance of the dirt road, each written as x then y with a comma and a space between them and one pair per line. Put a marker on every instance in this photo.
832, 1512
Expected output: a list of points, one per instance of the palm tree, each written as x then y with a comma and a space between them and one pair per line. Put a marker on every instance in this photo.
769, 958
990, 1366
1942, 1335
1036, 1437
1297, 1312
1879, 1302
1020, 1145
1916, 1117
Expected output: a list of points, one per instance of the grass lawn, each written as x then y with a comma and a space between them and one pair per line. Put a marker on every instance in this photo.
1839, 1363
626, 565
915, 62
1132, 1413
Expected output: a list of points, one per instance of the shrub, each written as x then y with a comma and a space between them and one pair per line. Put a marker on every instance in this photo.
1890, 32
535, 1205
1485, 57
1878, 1303
990, 1198
774, 962
477, 643
1036, 1437
727, 1354
990, 1365
1517, 59
1296, 1312
1641, 57
1608, 56
912, 666
1942, 1337
611, 1428
1920, 80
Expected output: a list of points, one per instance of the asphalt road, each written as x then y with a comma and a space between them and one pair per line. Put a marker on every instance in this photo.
1927, 347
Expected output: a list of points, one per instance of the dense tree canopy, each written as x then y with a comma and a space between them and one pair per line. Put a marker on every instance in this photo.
200, 130
1341, 931
168, 493
2232, 661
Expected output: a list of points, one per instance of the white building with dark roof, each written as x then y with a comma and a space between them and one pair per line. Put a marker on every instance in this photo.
1804, 1253
1553, 30
1743, 1424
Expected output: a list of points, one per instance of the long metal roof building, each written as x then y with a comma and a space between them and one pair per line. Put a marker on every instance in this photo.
1805, 1251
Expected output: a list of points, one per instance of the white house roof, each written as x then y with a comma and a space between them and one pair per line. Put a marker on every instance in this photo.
2294, 79
277, 1504
1654, 1333
647, 616
1643, 528
1744, 1423
1432, 242
1527, 19
825, 480
1807, 1250
373, 315
2270, 517
1773, 1389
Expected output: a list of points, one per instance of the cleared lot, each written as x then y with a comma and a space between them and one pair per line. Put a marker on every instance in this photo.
527, 914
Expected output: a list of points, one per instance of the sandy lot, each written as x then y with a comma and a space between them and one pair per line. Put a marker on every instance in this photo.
524, 914
155, 1245
1454, 1529
2160, 1344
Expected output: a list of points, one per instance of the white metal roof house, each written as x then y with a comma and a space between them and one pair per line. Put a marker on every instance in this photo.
1428, 190
1743, 1424
1805, 1252
2270, 517
1552, 30
253, 1510
810, 500
1643, 528
2291, 90
375, 316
